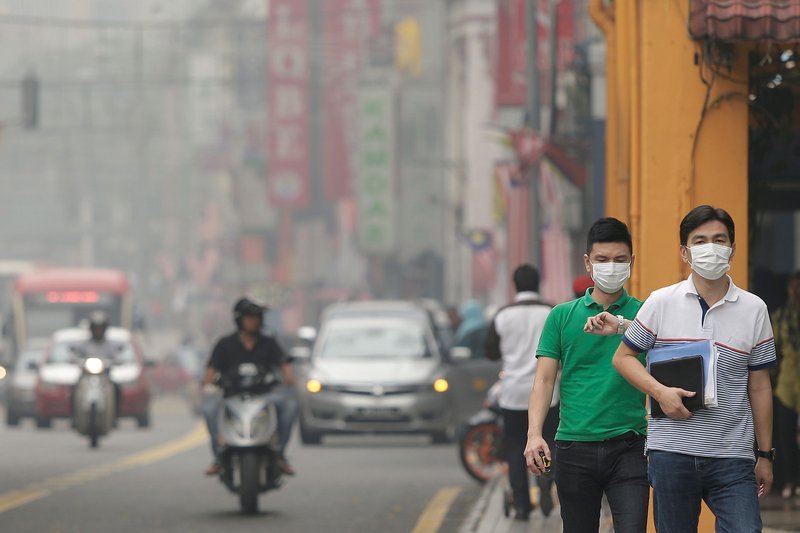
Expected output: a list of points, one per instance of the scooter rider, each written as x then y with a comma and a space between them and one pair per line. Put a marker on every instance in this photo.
249, 345
98, 346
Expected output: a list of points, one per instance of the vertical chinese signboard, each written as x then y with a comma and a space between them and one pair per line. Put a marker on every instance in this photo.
288, 86
375, 176
348, 27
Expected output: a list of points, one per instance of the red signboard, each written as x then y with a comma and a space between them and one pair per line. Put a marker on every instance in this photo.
348, 27
288, 84
510, 65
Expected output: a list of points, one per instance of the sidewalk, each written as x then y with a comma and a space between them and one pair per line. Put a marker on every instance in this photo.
487, 515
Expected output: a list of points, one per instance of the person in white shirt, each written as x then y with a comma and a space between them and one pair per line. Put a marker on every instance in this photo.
513, 336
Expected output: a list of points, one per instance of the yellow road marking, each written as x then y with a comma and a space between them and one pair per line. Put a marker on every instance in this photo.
41, 489
431, 519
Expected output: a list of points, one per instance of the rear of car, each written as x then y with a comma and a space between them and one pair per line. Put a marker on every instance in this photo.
376, 374
20, 401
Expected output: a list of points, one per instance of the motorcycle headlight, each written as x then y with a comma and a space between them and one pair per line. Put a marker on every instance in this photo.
3, 372
313, 386
94, 365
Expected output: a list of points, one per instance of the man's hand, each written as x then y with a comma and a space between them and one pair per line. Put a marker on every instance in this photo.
764, 476
535, 445
671, 401
602, 324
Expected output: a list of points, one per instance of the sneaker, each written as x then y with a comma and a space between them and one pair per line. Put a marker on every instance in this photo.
213, 469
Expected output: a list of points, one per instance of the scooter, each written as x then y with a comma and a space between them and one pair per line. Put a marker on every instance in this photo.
480, 443
248, 431
93, 407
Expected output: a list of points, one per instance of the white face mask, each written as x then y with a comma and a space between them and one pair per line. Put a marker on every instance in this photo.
710, 260
610, 277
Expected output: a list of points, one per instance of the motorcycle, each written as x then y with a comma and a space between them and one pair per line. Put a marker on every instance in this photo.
93, 401
481, 444
248, 431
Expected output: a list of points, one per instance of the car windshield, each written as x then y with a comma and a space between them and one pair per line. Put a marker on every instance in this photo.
66, 352
375, 341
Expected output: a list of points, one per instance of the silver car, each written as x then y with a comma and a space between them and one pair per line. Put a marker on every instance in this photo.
22, 382
376, 374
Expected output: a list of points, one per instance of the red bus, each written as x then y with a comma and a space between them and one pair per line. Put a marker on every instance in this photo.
48, 299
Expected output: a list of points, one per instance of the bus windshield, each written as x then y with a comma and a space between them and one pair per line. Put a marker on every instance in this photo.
45, 313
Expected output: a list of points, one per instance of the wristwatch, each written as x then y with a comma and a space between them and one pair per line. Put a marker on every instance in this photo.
621, 326
767, 454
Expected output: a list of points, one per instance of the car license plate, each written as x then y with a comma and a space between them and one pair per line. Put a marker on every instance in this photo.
378, 412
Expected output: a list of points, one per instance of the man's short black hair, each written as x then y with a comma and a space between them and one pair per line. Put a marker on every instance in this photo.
702, 214
608, 229
526, 278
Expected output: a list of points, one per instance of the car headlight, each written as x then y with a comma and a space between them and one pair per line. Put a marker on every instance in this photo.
441, 385
313, 386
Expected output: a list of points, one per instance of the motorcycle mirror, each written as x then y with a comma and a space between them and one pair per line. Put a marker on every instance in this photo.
307, 333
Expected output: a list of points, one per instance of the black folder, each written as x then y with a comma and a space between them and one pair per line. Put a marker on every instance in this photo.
685, 373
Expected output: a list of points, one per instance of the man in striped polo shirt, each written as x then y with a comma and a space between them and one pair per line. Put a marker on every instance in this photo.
706, 455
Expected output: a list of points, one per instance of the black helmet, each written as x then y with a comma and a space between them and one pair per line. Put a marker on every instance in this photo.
247, 306
98, 319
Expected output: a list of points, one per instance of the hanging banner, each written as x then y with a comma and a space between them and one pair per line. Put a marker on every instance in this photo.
375, 187
288, 85
348, 28
510, 75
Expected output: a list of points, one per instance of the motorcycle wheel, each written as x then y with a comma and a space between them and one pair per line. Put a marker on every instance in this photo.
94, 436
248, 490
479, 451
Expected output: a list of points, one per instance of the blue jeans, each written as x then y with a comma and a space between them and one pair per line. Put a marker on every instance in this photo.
585, 470
681, 482
285, 404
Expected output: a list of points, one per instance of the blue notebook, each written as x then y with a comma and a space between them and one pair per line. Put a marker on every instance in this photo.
705, 349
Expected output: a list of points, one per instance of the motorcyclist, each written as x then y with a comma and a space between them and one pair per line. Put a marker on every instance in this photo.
249, 345
97, 345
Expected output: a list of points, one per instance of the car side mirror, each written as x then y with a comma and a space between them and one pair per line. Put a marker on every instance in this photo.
460, 353
307, 333
300, 353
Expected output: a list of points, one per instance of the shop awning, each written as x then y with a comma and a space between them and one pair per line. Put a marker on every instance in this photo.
745, 20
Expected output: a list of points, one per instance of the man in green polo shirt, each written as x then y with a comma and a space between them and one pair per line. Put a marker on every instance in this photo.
599, 445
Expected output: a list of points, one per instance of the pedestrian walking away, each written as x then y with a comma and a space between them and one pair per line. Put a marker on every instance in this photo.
513, 336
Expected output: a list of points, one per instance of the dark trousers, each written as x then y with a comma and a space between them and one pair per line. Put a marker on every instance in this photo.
787, 462
585, 470
515, 437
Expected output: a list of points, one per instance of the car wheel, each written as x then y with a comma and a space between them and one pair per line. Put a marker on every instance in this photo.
308, 436
44, 422
12, 418
143, 420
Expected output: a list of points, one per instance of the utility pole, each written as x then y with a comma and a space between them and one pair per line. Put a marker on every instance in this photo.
534, 121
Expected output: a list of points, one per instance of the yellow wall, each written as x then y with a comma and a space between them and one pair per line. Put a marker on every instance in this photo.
652, 181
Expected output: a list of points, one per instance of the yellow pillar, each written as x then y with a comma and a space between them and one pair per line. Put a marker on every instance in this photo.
687, 156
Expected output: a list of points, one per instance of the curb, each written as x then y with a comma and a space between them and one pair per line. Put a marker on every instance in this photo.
473, 520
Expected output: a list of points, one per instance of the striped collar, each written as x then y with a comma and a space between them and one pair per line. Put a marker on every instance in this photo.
688, 287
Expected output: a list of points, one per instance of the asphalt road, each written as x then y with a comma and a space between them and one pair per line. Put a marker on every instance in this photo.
152, 480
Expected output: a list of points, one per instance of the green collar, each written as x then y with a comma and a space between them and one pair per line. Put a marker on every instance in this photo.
621, 301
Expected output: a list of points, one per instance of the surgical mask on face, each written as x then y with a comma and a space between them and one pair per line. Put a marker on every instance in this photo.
710, 260
610, 277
